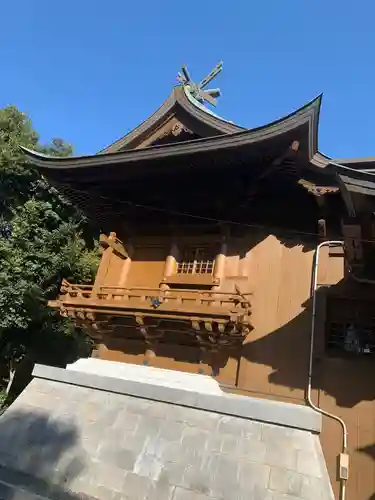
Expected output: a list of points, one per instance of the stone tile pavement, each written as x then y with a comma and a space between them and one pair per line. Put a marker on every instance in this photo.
64, 441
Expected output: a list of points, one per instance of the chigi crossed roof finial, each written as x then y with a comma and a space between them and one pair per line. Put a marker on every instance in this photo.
197, 89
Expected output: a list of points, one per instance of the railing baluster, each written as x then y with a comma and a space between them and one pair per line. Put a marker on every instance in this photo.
229, 303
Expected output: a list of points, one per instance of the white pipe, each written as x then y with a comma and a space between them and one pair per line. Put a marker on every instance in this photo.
312, 338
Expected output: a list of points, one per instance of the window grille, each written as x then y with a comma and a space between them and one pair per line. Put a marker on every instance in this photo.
196, 260
351, 327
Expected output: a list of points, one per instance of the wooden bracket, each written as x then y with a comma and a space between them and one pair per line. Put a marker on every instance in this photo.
208, 326
139, 320
291, 151
221, 327
322, 229
113, 242
195, 324
317, 191
353, 241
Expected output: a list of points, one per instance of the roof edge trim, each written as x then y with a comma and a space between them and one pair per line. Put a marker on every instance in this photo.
309, 112
178, 97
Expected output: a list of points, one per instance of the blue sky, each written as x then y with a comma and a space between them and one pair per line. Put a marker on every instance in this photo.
89, 71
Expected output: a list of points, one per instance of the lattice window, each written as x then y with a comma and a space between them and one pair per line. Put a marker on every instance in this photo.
351, 327
197, 260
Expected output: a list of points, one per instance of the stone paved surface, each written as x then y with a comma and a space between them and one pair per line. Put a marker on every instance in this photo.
63, 441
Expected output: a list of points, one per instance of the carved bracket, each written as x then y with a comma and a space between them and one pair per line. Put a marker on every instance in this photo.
113, 242
178, 128
213, 335
317, 190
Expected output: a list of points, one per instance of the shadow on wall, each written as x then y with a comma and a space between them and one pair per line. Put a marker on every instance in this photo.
37, 455
370, 451
177, 341
286, 350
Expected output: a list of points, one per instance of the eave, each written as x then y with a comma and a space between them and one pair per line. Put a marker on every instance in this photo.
367, 164
226, 143
357, 181
349, 164
304, 122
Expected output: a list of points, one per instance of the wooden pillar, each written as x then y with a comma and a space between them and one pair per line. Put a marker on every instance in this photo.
243, 263
323, 268
114, 253
171, 261
170, 267
102, 269
126, 266
150, 351
219, 266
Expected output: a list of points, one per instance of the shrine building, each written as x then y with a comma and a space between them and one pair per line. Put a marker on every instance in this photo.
213, 263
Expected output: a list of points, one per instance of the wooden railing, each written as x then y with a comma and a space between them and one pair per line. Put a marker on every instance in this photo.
214, 318
154, 297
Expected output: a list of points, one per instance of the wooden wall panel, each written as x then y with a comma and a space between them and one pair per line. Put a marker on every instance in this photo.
274, 357
168, 356
171, 357
110, 269
147, 267
169, 363
331, 267
347, 391
228, 371
120, 354
114, 271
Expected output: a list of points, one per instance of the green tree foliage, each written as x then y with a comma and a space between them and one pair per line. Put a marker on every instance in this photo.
40, 243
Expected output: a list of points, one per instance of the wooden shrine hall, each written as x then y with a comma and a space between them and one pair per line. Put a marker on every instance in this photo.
209, 232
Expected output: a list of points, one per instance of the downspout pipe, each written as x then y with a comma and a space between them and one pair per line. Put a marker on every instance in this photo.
310, 372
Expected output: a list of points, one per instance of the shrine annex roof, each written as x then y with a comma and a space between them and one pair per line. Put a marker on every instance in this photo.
80, 434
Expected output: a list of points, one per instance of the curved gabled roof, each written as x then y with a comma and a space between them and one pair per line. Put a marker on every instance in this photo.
301, 125
357, 181
223, 143
178, 103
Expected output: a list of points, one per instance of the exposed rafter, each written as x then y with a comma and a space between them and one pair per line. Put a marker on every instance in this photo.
289, 153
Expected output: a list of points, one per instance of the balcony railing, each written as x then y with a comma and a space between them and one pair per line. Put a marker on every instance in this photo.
214, 318
153, 301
